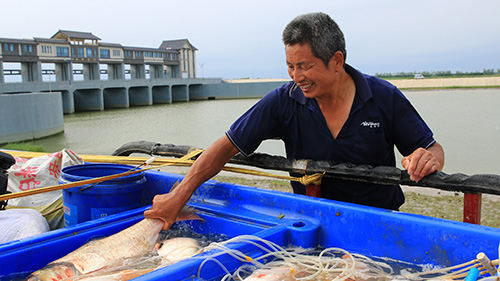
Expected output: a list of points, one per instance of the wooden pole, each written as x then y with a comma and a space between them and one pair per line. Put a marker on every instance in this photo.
472, 207
313, 190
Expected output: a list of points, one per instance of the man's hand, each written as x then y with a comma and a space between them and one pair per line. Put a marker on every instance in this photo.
164, 208
423, 162
167, 207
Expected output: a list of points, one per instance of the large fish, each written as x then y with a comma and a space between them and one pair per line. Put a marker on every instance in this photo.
136, 240
176, 249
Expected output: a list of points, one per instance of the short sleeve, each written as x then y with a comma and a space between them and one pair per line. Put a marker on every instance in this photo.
409, 129
257, 124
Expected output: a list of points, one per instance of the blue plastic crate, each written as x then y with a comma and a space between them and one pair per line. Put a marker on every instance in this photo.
283, 218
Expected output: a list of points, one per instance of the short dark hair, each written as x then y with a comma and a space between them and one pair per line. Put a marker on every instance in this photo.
319, 30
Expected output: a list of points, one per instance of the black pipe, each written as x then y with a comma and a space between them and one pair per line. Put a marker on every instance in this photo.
481, 183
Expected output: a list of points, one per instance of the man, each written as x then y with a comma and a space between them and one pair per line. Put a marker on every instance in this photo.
330, 111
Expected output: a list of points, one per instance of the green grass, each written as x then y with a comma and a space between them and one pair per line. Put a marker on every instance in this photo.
450, 207
24, 146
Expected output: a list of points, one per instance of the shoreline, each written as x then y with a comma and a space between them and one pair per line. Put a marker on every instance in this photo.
437, 83
416, 84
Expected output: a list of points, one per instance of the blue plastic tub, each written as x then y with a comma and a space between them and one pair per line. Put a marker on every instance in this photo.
88, 202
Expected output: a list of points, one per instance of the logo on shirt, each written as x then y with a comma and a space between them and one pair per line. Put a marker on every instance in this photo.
370, 124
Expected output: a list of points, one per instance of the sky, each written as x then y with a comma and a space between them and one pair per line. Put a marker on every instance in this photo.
242, 39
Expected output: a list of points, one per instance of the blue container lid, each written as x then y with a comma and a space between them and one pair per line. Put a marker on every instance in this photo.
90, 171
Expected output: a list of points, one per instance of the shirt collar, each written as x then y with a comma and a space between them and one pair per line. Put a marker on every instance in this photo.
362, 88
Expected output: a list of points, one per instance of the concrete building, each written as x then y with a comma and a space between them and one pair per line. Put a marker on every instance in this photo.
187, 55
65, 49
92, 76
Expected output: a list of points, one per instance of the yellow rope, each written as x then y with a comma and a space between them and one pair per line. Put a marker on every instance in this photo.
314, 179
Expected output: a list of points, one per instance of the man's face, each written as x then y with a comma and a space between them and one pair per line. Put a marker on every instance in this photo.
309, 72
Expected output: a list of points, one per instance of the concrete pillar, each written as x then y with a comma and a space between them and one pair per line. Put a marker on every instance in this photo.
31, 71
91, 71
2, 80
116, 71
167, 71
64, 71
137, 71
68, 100
176, 71
172, 71
193, 60
155, 71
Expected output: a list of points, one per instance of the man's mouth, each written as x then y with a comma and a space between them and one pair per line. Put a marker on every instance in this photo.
306, 86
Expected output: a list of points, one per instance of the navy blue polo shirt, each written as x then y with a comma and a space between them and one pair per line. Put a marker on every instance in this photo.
381, 117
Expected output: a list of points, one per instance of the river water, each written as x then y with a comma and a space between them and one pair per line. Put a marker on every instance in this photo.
466, 122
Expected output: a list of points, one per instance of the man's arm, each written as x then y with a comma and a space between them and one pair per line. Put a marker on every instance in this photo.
423, 162
168, 206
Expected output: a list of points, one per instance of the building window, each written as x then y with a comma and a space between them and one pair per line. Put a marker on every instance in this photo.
62, 51
89, 53
27, 48
80, 52
104, 53
12, 47
116, 53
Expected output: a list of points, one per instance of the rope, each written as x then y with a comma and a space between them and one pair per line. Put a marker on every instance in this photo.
314, 179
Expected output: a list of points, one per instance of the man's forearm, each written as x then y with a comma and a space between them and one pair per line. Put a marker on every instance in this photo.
437, 150
208, 164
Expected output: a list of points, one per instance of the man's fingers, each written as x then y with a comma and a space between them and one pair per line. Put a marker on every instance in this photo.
419, 164
424, 168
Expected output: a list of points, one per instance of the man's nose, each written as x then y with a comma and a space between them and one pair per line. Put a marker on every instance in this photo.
297, 75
